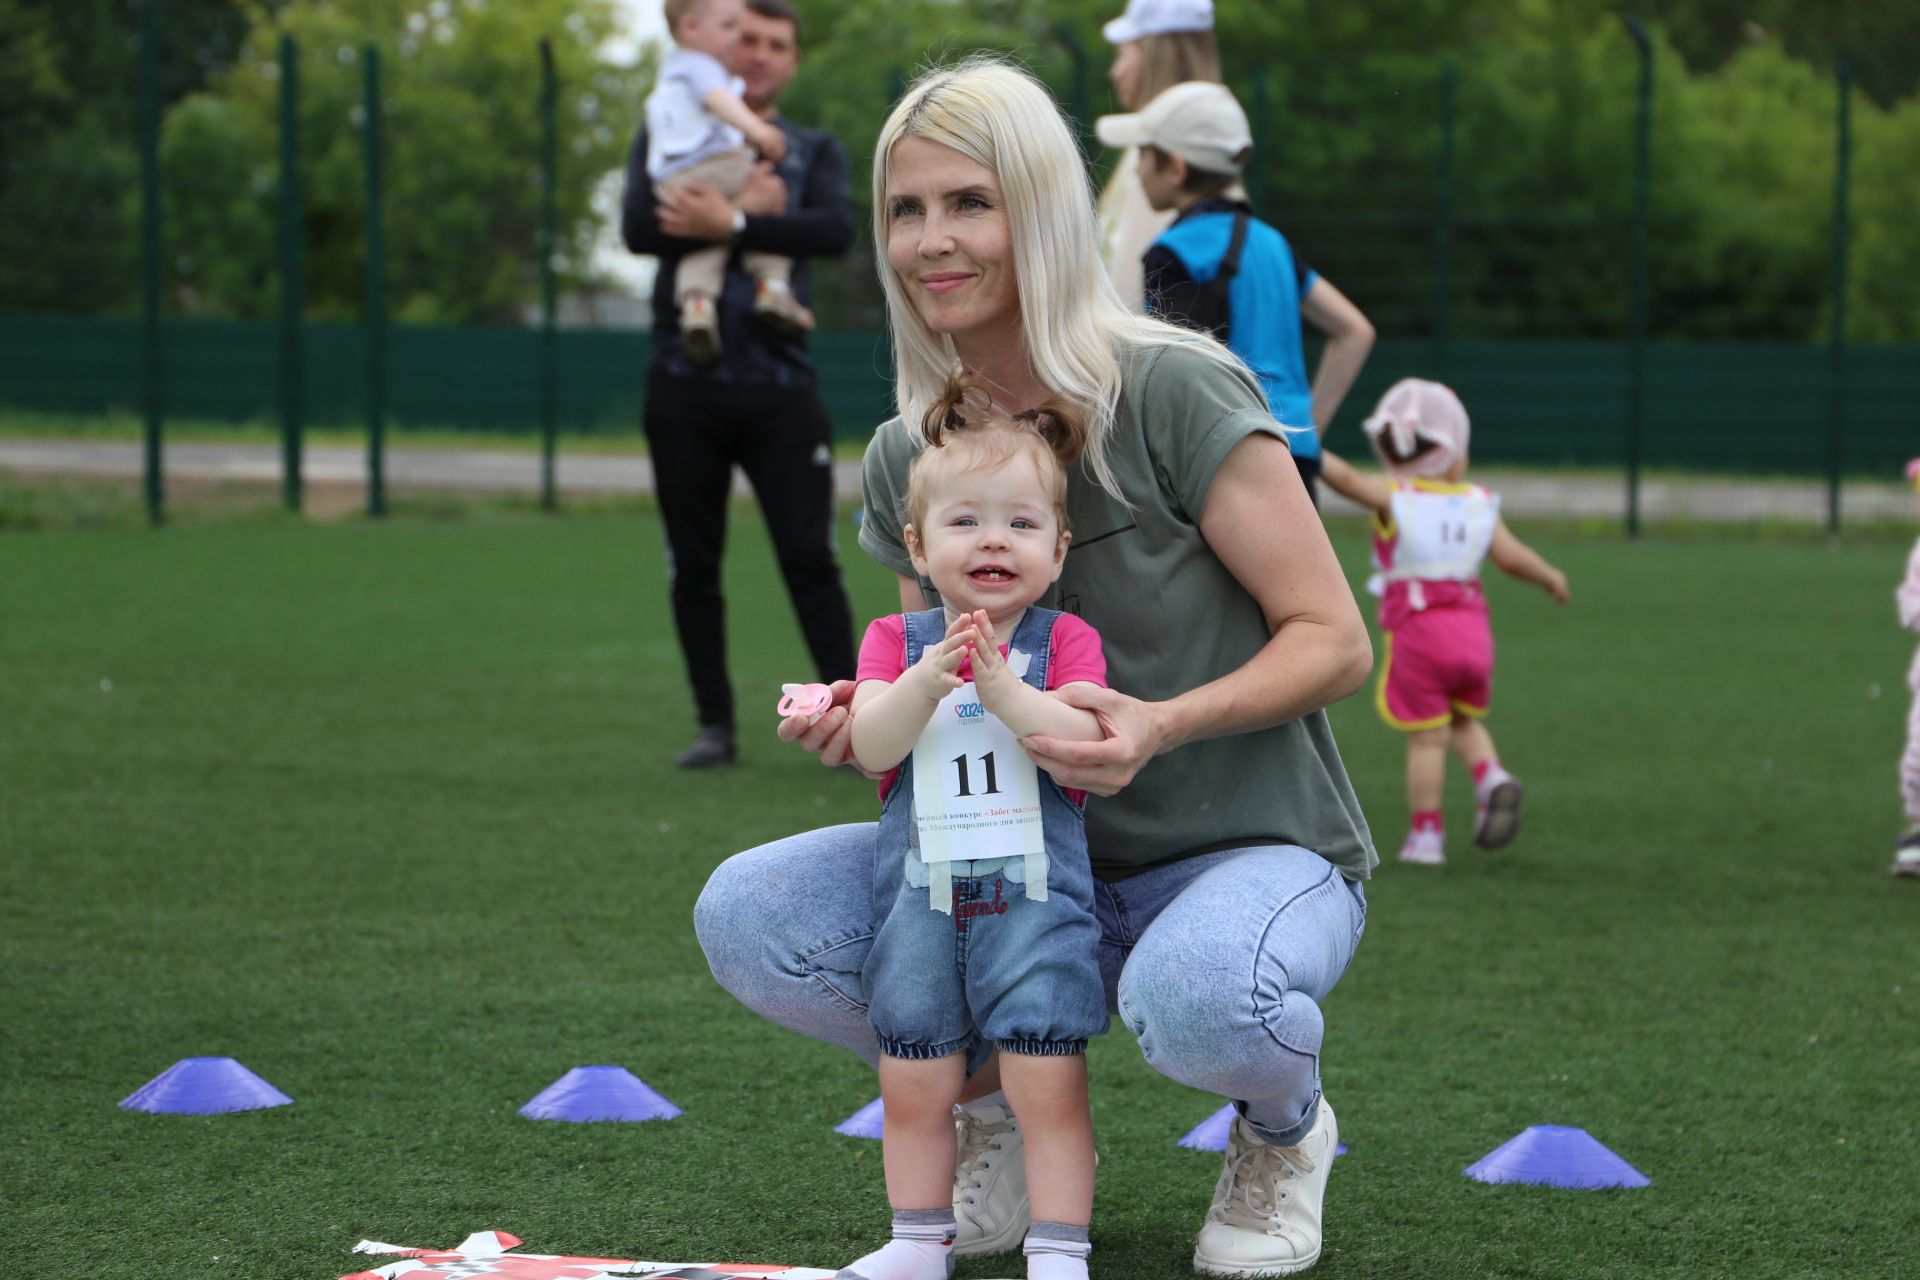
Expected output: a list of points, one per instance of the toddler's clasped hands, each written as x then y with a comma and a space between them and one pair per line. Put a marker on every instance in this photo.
968, 636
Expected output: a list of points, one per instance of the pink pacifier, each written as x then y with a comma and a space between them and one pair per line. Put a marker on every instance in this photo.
809, 700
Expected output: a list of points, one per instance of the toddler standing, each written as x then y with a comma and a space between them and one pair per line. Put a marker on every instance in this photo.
981, 876
1906, 855
1431, 532
697, 128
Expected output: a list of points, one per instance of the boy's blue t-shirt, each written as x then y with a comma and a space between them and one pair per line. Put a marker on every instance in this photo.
1264, 298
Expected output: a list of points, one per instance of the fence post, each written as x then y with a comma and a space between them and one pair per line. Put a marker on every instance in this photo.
1837, 411
376, 302
1443, 222
1257, 171
152, 371
1637, 342
549, 180
292, 282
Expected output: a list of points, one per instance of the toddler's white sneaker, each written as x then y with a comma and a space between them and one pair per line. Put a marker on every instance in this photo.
1496, 819
1428, 846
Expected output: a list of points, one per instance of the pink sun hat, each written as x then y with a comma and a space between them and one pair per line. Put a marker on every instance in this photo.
1419, 428
1913, 474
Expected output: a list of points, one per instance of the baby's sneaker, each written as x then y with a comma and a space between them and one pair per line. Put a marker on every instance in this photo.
1496, 819
1906, 854
1425, 845
775, 306
700, 329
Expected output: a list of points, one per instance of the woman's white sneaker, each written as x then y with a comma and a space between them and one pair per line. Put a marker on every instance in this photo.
1265, 1219
989, 1182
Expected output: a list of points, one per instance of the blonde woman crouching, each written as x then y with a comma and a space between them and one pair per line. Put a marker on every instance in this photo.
1228, 848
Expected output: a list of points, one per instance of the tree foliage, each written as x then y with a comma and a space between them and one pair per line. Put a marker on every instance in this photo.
69, 121
1345, 99
1348, 108
461, 85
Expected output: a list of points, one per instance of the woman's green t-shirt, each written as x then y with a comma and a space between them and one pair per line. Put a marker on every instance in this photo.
1171, 618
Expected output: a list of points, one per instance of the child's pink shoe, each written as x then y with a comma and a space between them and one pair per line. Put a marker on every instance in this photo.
807, 700
1496, 819
1425, 846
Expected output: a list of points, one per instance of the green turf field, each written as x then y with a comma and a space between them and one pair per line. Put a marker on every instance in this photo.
387, 813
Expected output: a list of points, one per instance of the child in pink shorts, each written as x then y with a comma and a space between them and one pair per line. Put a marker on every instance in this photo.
1906, 854
1431, 531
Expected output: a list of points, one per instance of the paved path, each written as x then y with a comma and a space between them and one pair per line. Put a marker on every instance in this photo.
505, 471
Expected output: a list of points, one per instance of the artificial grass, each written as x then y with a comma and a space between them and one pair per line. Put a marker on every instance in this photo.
388, 813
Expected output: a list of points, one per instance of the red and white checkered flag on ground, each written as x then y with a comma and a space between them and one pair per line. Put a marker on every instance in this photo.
485, 1255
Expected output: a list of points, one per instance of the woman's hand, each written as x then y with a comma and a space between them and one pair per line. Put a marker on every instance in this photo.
831, 736
1134, 736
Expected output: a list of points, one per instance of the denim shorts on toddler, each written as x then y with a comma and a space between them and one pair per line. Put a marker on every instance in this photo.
1004, 969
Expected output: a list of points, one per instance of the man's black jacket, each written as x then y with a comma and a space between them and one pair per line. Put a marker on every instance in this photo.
818, 223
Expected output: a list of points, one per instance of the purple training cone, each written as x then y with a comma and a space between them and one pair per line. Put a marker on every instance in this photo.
599, 1093
864, 1123
204, 1087
1211, 1134
1555, 1155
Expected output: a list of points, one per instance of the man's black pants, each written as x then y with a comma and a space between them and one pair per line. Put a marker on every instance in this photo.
782, 439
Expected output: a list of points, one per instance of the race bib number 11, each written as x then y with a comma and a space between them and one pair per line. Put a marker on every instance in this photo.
975, 793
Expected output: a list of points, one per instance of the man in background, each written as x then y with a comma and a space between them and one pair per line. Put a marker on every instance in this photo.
758, 407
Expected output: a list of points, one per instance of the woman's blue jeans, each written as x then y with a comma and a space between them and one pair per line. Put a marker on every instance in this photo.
1217, 964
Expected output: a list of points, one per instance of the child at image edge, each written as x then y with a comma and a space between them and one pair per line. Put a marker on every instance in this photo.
1431, 531
1906, 855
697, 128
986, 523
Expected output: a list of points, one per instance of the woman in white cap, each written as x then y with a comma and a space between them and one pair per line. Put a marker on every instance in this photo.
1157, 44
1229, 848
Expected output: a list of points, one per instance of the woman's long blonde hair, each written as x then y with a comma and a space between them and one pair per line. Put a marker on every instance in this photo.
1071, 317
1175, 57
1168, 59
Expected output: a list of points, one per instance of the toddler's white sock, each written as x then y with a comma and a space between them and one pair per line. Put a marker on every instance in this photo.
921, 1249
1056, 1251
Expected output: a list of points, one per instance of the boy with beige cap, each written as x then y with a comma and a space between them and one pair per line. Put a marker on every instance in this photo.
1221, 270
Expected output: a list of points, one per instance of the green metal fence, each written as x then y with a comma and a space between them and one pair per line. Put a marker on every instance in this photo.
486, 380
1577, 328
1732, 406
